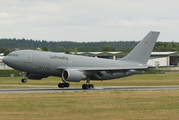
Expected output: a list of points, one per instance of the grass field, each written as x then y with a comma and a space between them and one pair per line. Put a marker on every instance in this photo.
103, 105
109, 105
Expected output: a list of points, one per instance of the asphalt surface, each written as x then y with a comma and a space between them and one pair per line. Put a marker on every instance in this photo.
47, 90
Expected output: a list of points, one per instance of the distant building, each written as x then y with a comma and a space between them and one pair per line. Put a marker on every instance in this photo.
25, 48
163, 58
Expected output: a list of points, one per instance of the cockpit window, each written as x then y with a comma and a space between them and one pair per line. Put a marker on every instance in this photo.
14, 55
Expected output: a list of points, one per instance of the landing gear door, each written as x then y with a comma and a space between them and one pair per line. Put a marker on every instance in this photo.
28, 58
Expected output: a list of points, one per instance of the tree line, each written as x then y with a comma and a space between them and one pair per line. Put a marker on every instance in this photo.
6, 45
53, 45
166, 46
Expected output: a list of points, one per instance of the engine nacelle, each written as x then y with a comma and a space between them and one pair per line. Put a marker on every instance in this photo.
73, 75
34, 76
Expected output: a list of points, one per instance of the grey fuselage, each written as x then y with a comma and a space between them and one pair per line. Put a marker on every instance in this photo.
52, 64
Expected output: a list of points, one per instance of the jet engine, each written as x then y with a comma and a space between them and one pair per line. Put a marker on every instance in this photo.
73, 75
34, 76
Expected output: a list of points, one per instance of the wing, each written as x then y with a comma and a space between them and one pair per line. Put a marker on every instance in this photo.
103, 68
98, 72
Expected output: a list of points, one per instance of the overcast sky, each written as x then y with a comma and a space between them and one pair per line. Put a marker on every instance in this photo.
89, 20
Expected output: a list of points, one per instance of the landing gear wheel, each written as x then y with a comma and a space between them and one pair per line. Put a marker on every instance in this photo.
62, 85
85, 86
91, 86
67, 84
23, 80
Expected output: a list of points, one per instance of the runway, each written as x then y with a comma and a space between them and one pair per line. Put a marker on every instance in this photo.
48, 90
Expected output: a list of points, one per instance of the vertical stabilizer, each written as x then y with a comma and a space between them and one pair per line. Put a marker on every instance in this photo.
142, 51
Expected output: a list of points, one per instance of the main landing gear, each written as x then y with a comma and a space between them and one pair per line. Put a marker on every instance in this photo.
64, 84
87, 85
84, 86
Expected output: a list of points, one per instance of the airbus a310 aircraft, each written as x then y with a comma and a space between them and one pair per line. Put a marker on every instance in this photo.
74, 68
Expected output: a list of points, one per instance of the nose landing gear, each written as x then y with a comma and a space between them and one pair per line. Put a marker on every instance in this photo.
23, 80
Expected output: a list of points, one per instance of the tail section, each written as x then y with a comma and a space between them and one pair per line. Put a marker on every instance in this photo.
142, 51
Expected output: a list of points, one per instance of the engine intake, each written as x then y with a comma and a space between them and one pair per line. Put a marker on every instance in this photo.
73, 75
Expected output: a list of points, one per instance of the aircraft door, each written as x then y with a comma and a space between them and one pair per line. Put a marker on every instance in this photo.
30, 58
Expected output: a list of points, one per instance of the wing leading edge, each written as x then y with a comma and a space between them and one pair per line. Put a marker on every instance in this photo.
102, 68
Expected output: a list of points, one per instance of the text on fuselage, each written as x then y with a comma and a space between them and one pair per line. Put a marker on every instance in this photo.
58, 57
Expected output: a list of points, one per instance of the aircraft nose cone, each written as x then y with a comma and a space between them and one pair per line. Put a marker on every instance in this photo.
5, 60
